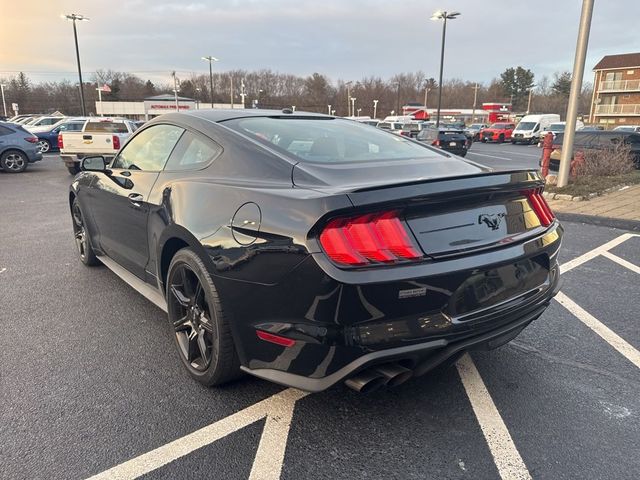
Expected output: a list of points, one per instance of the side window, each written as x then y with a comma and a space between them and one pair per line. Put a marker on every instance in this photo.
5, 131
193, 152
149, 149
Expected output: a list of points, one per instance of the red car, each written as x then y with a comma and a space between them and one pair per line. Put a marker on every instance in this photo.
498, 132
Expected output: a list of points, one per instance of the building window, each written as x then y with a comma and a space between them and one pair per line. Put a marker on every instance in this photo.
613, 76
630, 72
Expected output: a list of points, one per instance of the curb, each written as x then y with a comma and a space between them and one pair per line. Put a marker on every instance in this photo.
631, 225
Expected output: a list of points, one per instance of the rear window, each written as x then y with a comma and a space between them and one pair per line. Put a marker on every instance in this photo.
328, 140
106, 127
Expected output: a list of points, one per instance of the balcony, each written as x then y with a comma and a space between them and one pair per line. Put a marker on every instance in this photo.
619, 86
618, 110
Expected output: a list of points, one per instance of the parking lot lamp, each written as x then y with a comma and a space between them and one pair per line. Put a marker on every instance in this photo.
359, 110
353, 107
574, 93
444, 16
4, 104
329, 109
397, 84
348, 85
375, 108
210, 59
73, 17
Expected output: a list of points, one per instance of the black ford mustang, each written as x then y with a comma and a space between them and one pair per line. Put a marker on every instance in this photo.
308, 250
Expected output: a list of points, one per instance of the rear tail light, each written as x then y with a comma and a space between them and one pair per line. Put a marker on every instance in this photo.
33, 139
369, 239
540, 206
436, 143
116, 142
60, 142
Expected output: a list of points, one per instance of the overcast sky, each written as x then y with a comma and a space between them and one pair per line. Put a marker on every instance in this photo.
344, 39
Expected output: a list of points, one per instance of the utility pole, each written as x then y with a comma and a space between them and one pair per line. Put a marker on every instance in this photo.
242, 94
444, 16
348, 84
574, 94
353, 106
398, 98
375, 109
231, 81
210, 59
4, 103
175, 90
475, 100
426, 96
529, 101
77, 17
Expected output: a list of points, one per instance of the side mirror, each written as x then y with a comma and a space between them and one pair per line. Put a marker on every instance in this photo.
94, 164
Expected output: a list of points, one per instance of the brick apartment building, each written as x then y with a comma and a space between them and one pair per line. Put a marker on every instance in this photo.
616, 91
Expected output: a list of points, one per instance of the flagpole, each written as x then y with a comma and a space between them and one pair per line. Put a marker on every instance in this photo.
100, 100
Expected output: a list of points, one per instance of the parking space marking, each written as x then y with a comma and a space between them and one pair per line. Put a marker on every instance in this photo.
505, 454
601, 329
514, 153
622, 261
489, 156
278, 410
591, 254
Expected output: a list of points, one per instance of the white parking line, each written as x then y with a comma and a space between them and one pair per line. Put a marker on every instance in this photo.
605, 332
278, 409
514, 153
505, 454
490, 156
576, 262
621, 261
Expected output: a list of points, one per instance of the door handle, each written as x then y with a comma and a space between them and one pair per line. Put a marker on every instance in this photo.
136, 199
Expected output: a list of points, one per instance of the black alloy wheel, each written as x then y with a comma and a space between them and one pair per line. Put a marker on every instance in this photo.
83, 244
201, 332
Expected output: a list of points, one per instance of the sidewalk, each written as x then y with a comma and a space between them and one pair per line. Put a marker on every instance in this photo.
622, 204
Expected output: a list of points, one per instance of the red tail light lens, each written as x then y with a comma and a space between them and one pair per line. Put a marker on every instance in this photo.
367, 239
116, 142
540, 206
436, 143
31, 139
60, 142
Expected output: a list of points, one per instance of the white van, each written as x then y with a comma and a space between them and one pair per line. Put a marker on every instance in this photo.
531, 127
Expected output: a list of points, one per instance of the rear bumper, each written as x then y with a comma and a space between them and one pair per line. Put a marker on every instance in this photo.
420, 358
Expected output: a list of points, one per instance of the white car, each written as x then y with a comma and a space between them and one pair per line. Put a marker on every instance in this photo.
627, 128
43, 121
393, 127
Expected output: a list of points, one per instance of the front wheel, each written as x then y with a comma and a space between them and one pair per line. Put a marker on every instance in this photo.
83, 242
201, 328
14, 161
501, 138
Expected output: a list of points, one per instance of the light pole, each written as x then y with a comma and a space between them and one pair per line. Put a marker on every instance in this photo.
210, 59
359, 110
475, 99
175, 90
242, 94
198, 98
444, 16
4, 104
353, 107
397, 98
329, 109
426, 96
348, 84
529, 101
73, 17
375, 108
574, 94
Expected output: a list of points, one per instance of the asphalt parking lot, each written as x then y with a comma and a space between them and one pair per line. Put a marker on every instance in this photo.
91, 384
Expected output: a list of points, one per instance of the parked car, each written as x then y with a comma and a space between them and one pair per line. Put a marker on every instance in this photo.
498, 132
628, 128
43, 121
24, 119
451, 140
18, 148
596, 140
411, 129
473, 130
393, 127
277, 241
531, 128
48, 136
99, 136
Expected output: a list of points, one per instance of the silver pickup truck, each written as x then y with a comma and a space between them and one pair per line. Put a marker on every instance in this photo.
99, 136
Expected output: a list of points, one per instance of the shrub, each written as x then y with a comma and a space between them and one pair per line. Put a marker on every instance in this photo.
607, 162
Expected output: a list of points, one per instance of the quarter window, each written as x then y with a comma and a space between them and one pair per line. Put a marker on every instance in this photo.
149, 149
192, 152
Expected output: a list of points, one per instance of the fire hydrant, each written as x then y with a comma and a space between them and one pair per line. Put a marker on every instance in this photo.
547, 148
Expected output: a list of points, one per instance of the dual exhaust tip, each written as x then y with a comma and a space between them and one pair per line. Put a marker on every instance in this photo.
390, 375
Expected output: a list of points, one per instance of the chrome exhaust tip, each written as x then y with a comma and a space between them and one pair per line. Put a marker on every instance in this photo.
366, 381
394, 374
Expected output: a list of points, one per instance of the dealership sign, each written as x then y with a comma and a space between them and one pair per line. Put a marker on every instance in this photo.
155, 107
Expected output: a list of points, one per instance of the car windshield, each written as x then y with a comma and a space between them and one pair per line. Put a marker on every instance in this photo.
556, 127
526, 126
476, 126
328, 140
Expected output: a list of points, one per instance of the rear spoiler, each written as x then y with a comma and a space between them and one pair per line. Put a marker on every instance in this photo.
453, 187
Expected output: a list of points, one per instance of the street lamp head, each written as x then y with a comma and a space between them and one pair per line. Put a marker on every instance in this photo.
74, 16
441, 15
210, 59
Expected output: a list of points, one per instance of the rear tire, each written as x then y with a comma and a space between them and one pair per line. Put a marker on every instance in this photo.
14, 161
74, 170
501, 138
83, 242
201, 327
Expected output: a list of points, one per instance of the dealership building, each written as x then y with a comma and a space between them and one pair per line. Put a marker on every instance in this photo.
151, 107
